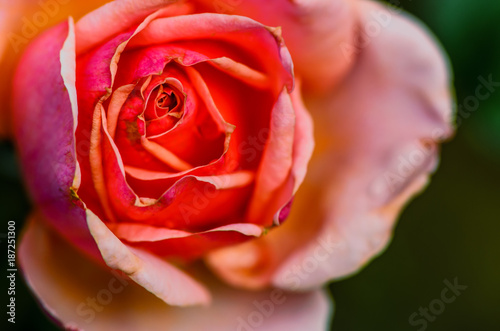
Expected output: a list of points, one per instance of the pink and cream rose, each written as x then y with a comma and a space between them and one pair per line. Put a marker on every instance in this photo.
213, 157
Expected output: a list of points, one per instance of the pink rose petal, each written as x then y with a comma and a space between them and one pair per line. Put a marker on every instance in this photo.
82, 296
48, 104
157, 276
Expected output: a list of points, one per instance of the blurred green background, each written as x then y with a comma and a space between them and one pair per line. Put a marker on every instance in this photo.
451, 231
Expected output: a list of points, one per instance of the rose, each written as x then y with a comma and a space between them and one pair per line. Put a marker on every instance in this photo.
146, 156
147, 151
361, 175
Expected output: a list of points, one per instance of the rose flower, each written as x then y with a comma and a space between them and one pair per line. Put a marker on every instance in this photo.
178, 177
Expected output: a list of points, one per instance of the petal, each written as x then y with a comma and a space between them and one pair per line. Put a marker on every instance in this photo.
300, 154
124, 14
44, 125
181, 245
312, 30
81, 296
241, 32
250, 265
141, 232
303, 140
377, 139
384, 122
192, 203
276, 162
149, 271
96, 72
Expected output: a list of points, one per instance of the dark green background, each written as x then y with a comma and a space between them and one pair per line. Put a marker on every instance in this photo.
452, 230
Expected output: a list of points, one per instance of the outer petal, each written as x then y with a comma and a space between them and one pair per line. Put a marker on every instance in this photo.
154, 274
312, 29
44, 124
81, 296
376, 139
124, 14
180, 244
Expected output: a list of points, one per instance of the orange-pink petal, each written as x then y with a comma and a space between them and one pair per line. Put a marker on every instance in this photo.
80, 295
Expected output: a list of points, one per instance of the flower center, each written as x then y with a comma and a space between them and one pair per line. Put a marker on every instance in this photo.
166, 100
167, 103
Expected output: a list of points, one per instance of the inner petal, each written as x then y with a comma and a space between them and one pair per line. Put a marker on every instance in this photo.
168, 124
164, 100
164, 109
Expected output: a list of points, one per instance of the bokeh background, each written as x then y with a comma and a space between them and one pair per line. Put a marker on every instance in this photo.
450, 231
